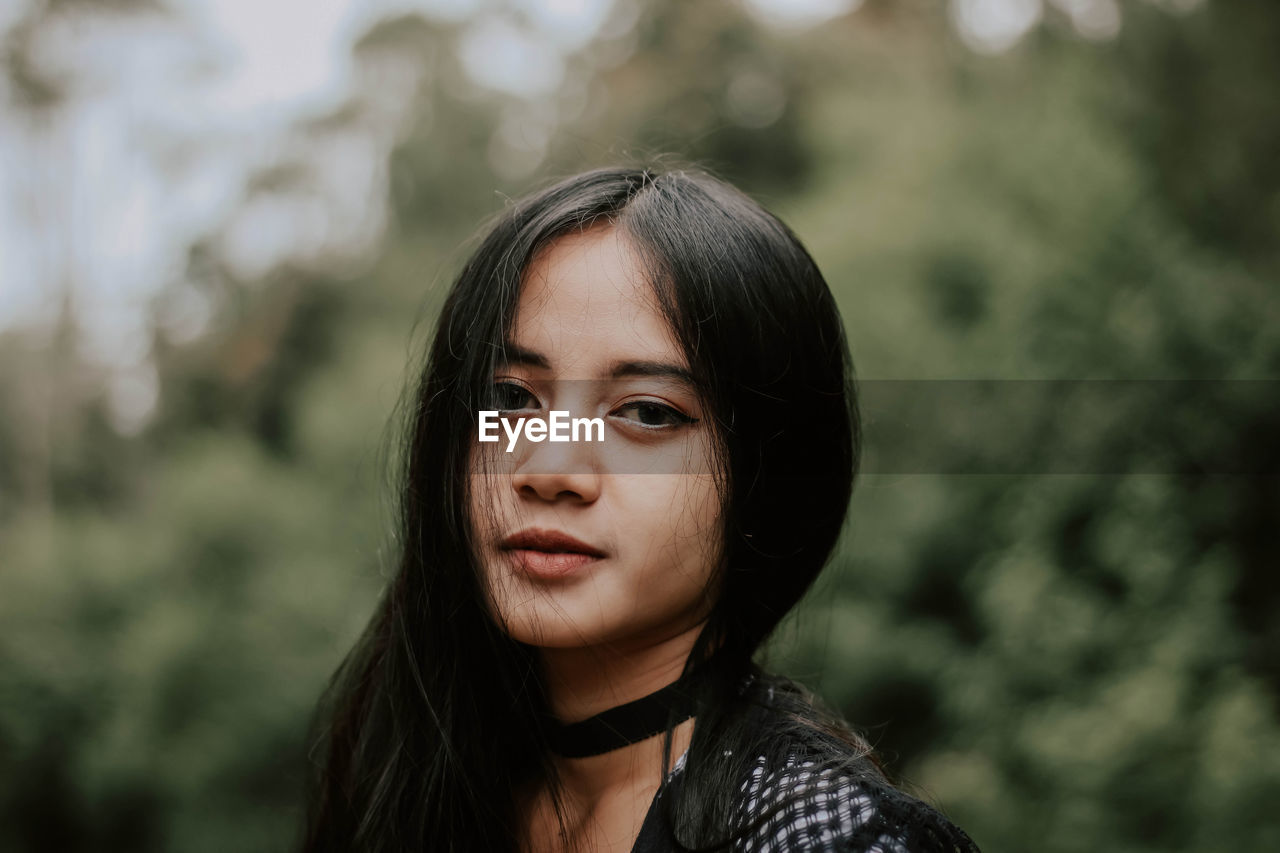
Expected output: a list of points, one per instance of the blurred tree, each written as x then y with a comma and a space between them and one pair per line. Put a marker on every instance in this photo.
1063, 662
707, 83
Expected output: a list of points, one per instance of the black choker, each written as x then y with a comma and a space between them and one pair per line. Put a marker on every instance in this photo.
626, 724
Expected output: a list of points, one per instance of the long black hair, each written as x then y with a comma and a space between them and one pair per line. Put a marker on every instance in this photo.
435, 722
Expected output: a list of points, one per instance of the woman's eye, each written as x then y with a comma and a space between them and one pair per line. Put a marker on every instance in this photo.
653, 415
510, 397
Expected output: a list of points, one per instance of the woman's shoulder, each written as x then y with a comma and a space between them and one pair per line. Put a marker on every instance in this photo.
803, 804
817, 788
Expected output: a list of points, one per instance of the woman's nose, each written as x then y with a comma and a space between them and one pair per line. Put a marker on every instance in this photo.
558, 471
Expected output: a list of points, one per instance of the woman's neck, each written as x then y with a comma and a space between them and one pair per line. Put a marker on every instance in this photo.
604, 797
582, 682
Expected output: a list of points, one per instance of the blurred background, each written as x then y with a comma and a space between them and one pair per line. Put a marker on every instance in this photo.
225, 230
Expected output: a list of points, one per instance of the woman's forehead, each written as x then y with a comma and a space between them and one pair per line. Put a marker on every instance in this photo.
586, 302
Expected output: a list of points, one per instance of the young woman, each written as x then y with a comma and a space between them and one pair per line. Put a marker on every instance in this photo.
563, 660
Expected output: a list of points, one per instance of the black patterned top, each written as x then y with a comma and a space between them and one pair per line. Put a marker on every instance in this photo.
820, 811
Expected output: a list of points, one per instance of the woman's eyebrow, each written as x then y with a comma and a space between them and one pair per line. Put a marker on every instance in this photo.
623, 369
513, 354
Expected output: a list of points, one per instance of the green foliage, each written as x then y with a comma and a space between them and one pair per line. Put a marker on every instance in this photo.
1061, 661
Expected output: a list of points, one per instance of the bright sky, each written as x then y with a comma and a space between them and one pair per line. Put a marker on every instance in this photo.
174, 113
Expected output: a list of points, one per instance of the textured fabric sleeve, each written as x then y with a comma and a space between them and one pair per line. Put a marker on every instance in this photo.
828, 811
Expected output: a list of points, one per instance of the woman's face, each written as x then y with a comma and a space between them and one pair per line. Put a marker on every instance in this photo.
641, 506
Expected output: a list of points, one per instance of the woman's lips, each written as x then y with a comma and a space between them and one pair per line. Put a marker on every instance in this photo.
548, 565
549, 554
